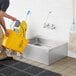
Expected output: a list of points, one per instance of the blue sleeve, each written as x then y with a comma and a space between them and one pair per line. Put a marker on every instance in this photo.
5, 5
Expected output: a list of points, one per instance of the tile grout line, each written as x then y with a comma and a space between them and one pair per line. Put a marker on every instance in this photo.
20, 70
40, 72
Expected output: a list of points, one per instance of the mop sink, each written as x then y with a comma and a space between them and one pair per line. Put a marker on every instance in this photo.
46, 51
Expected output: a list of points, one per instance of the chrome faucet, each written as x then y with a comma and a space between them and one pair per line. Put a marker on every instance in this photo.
48, 25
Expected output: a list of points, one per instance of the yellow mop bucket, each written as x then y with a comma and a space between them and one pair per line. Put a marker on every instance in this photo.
15, 41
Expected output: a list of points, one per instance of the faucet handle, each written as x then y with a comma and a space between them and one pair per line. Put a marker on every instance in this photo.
53, 26
49, 26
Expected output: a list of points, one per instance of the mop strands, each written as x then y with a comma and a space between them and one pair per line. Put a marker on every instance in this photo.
16, 41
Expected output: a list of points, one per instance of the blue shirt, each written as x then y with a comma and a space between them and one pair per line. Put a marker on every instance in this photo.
4, 5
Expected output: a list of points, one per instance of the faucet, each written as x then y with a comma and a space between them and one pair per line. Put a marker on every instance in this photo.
48, 25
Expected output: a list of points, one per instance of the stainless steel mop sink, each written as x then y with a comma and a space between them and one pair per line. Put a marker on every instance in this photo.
45, 51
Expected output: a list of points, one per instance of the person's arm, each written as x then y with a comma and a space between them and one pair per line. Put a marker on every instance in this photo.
2, 22
3, 14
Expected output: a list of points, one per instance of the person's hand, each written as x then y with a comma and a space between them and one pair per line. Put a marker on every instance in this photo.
13, 19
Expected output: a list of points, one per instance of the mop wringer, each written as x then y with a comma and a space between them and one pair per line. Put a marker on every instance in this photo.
16, 41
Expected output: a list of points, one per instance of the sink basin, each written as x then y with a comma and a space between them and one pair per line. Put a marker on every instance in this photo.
46, 51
